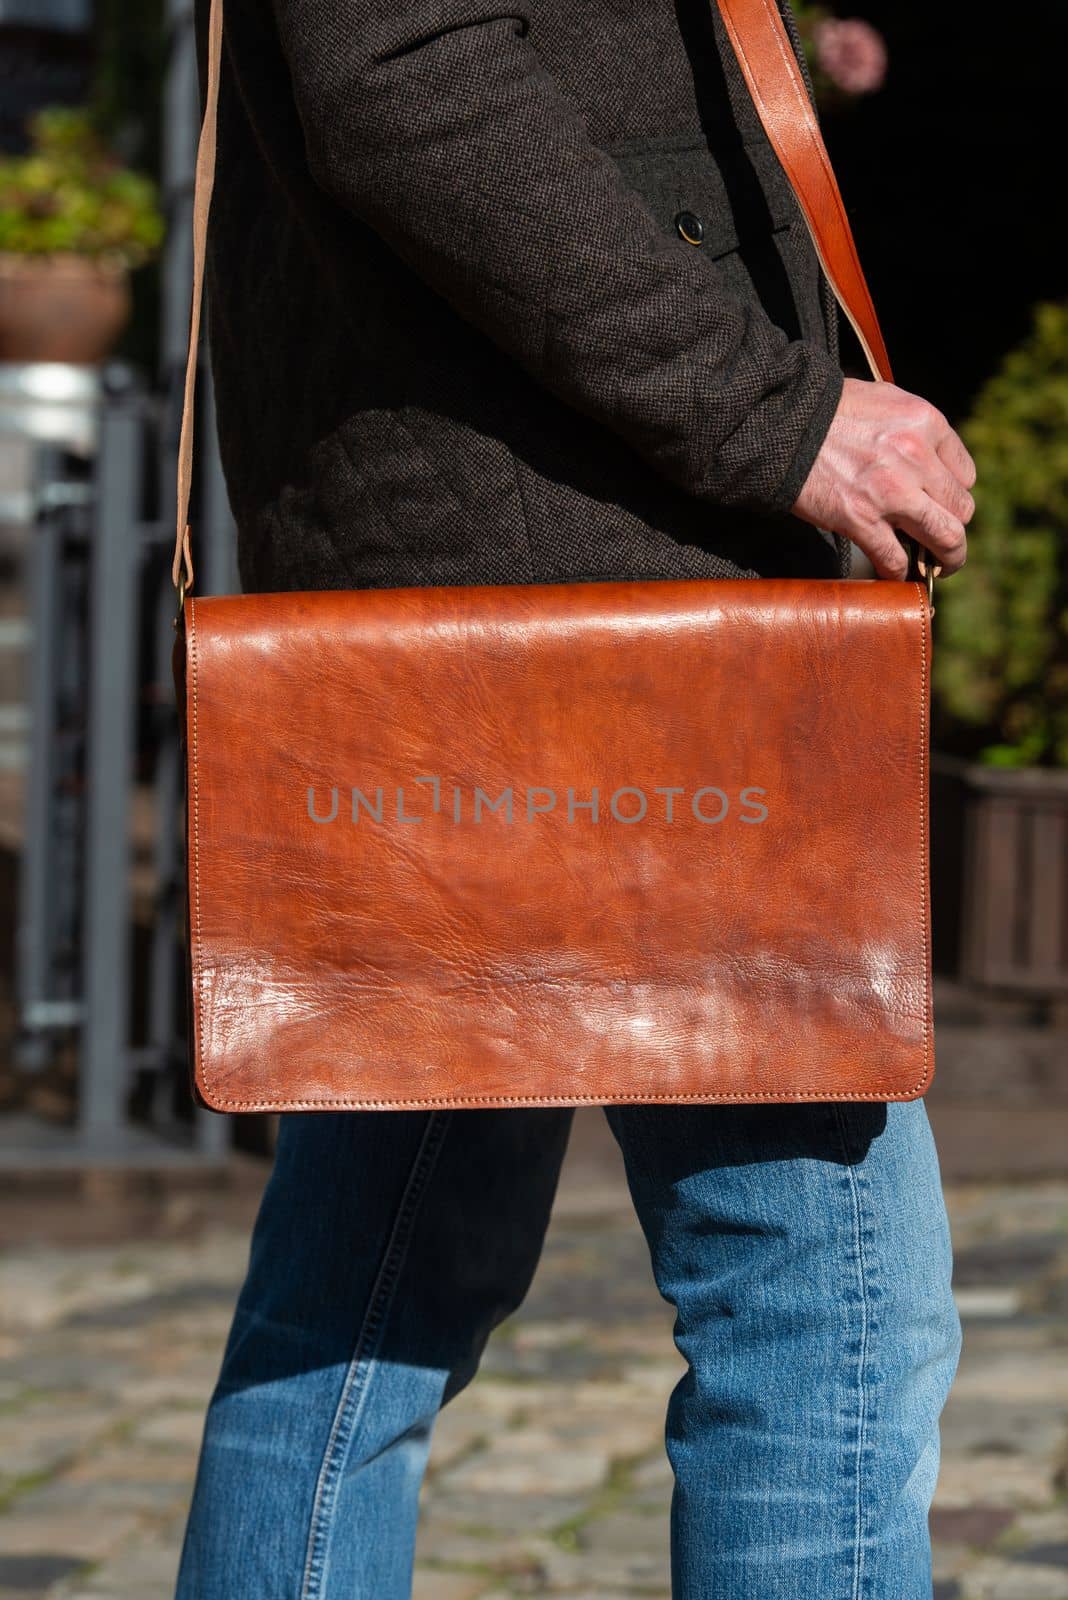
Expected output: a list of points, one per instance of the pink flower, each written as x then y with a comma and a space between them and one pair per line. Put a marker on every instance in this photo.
852, 54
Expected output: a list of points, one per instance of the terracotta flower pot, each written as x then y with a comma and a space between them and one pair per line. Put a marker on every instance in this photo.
61, 308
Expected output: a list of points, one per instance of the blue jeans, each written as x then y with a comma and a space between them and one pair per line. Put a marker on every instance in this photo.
804, 1249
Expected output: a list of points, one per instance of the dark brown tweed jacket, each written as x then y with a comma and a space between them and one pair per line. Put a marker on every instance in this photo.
457, 336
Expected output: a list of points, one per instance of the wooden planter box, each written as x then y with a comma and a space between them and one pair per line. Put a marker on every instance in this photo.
1013, 875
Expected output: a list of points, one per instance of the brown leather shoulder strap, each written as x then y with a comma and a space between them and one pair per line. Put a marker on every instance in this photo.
765, 54
759, 39
203, 184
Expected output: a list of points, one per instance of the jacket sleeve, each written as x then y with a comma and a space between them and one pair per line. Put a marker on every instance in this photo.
435, 123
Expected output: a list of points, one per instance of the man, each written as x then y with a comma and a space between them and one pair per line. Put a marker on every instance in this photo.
523, 296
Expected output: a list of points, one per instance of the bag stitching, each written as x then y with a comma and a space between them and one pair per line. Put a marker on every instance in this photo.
925, 914
194, 952
796, 1096
347, 1103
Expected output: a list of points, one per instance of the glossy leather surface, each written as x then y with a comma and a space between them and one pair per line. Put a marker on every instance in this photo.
547, 960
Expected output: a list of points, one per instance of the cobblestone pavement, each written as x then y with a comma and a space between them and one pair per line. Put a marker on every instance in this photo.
548, 1475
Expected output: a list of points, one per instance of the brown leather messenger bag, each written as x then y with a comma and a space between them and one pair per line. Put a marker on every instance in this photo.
565, 843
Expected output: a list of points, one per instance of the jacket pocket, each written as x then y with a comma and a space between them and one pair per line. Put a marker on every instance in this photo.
735, 209
737, 193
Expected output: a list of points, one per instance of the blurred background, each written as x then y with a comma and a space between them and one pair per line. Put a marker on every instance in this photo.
124, 1212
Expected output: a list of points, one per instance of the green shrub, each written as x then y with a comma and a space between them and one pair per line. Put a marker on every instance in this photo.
68, 195
1001, 657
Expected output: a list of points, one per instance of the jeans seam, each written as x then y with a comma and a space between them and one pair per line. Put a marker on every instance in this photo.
354, 1388
865, 1296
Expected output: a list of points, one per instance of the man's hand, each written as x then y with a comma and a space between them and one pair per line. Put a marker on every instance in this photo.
891, 461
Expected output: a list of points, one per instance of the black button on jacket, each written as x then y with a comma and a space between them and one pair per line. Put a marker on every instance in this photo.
456, 335
690, 228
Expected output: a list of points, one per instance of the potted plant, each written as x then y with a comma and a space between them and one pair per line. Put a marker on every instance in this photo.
1001, 671
73, 222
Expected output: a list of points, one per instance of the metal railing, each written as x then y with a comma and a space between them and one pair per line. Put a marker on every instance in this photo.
99, 933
